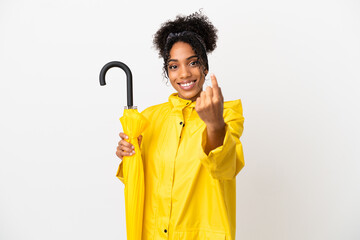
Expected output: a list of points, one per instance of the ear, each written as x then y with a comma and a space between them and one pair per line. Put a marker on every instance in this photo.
206, 72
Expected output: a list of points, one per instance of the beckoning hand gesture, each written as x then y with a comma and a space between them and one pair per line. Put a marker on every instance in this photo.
210, 104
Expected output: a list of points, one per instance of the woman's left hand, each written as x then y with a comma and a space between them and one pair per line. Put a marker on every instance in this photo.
210, 105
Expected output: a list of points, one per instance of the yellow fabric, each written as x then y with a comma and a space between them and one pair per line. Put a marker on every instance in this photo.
188, 194
133, 124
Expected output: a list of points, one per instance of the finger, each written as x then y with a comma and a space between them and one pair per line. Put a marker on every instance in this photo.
125, 149
119, 154
209, 93
123, 135
214, 81
126, 144
216, 88
203, 97
198, 101
218, 97
220, 93
122, 154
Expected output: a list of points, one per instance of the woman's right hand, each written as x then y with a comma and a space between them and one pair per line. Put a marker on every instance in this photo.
125, 148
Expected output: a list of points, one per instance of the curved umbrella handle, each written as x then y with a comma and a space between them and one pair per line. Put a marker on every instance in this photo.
123, 66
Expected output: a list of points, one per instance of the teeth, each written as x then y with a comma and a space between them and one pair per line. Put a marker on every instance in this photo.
187, 84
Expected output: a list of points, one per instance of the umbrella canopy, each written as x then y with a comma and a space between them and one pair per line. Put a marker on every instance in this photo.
133, 169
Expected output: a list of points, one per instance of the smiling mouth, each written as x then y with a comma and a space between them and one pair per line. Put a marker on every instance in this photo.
188, 84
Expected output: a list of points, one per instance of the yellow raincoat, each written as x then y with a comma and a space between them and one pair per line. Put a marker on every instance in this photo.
189, 195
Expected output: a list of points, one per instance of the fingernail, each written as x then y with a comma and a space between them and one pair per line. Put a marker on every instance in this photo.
133, 152
133, 147
127, 137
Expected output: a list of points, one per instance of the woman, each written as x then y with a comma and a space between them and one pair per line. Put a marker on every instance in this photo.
191, 149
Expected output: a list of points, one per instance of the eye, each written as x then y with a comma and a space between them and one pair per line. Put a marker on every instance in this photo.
172, 67
194, 63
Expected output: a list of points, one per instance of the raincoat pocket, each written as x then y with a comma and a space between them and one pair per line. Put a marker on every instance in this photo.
199, 235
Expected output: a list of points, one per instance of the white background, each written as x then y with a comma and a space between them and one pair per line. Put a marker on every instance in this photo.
294, 64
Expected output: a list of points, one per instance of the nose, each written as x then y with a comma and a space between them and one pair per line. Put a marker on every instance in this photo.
185, 72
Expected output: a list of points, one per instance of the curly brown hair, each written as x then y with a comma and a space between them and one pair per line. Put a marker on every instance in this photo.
195, 29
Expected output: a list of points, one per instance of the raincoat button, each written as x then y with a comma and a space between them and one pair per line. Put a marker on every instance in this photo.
165, 231
181, 123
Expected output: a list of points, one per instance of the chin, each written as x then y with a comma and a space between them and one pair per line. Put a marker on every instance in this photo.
189, 96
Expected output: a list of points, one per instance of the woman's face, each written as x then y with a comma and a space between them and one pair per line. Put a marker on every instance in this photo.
185, 72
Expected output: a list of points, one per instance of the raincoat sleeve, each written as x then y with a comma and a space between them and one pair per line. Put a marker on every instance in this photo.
226, 161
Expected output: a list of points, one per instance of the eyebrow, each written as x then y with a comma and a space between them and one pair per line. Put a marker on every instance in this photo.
175, 60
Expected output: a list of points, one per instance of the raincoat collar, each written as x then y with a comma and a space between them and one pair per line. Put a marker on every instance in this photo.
178, 102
